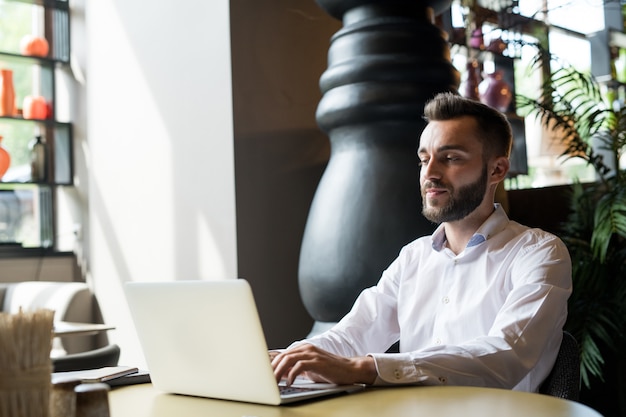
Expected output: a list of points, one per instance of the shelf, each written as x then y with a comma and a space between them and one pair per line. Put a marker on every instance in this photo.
514, 21
609, 81
52, 4
47, 122
33, 60
15, 250
484, 53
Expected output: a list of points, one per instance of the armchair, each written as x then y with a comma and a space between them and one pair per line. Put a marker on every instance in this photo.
71, 301
564, 379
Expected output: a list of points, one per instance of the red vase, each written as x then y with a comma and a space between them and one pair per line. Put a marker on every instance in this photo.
5, 160
7, 93
495, 92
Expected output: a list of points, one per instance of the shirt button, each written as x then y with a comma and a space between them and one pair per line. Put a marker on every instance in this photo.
437, 341
443, 380
397, 374
446, 300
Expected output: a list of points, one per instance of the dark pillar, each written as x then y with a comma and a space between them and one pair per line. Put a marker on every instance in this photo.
383, 65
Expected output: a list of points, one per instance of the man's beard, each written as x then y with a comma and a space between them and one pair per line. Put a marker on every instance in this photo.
461, 202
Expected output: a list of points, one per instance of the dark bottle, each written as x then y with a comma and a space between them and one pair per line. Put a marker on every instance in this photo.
37, 159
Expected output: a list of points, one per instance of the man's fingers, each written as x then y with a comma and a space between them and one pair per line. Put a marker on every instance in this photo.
282, 365
290, 364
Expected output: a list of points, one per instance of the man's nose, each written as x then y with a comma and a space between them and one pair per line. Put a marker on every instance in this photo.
430, 169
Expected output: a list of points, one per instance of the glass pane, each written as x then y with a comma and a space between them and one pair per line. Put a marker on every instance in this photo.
532, 8
25, 218
17, 20
63, 167
17, 138
584, 16
29, 79
571, 49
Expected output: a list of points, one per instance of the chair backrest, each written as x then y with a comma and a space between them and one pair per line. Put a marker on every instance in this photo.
71, 301
564, 379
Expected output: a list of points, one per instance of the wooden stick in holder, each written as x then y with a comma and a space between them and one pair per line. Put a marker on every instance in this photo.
25, 365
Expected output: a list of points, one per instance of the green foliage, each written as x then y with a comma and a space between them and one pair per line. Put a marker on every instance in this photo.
609, 221
571, 105
596, 308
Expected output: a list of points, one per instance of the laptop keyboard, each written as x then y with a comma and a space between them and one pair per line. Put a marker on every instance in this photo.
285, 390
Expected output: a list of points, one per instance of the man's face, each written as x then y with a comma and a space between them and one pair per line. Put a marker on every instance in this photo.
453, 175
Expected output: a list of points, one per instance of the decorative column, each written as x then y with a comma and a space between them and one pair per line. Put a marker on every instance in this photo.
383, 65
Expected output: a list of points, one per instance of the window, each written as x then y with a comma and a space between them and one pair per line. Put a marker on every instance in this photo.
564, 25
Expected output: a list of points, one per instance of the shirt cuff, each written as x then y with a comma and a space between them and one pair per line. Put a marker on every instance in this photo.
395, 368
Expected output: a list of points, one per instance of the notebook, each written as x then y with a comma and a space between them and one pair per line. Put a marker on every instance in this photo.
204, 338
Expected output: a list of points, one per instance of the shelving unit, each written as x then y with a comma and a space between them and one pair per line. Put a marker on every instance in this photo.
503, 61
27, 207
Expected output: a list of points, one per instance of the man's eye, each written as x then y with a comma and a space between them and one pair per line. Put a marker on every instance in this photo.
423, 162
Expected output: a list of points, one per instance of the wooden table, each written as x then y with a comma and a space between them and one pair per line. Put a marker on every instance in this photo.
145, 401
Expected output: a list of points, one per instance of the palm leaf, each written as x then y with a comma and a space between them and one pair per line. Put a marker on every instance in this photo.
570, 104
610, 220
591, 360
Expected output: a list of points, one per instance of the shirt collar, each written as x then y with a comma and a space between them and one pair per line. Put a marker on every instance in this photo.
494, 223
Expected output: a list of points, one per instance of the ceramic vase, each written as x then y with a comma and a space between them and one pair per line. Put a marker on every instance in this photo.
495, 92
5, 160
497, 46
471, 80
7, 93
476, 40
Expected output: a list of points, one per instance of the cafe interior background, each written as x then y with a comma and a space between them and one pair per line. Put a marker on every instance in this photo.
195, 149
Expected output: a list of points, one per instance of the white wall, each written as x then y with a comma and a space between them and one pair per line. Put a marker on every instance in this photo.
158, 148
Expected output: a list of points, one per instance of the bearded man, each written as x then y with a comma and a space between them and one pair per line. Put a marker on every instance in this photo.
480, 302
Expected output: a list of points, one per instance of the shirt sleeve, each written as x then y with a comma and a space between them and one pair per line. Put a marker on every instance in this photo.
370, 326
527, 331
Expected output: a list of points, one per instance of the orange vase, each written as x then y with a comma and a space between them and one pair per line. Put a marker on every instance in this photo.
5, 160
7, 93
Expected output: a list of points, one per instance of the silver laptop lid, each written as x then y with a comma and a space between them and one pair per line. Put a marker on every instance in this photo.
203, 338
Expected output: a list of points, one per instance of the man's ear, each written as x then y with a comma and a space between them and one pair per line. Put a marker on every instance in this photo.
499, 168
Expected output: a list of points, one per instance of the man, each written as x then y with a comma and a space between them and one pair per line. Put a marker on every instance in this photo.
480, 302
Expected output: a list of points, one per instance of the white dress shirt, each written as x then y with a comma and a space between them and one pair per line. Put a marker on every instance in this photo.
490, 316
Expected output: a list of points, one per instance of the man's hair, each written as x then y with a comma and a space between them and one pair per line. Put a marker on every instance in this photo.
494, 130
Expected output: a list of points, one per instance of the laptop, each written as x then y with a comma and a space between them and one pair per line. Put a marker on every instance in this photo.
204, 338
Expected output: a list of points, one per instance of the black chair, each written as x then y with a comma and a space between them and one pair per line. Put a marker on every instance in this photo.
564, 379
91, 359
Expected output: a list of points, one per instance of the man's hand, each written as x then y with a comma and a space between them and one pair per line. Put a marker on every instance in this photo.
321, 366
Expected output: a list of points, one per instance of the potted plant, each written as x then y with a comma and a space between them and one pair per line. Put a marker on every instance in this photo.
590, 126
